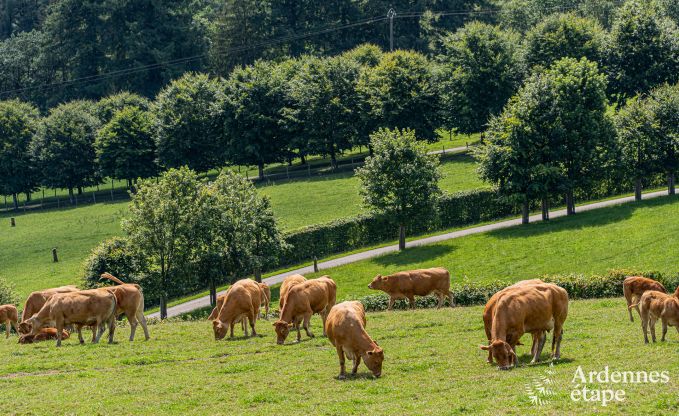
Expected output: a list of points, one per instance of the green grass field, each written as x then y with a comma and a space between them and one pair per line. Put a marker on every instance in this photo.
432, 366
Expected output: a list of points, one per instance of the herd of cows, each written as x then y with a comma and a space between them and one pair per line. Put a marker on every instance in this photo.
529, 306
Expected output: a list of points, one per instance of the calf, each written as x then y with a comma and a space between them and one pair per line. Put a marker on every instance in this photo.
129, 301
44, 334
635, 286
9, 316
289, 282
345, 327
242, 301
36, 301
303, 300
489, 311
266, 298
415, 283
84, 308
530, 308
658, 305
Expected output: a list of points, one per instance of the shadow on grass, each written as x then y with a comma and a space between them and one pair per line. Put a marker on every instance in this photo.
357, 377
415, 254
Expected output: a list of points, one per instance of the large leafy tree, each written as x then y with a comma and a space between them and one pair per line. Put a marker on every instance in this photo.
189, 115
25, 66
664, 107
400, 179
479, 69
108, 106
18, 124
64, 147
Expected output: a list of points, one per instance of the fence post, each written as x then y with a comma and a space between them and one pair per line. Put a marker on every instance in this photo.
287, 171
12, 222
55, 258
111, 189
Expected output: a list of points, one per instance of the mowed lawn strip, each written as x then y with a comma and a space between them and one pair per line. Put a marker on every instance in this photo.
432, 366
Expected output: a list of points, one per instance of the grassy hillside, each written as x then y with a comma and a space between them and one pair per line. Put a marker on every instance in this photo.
432, 366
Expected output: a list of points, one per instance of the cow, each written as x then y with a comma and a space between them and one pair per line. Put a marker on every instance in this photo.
303, 300
489, 310
529, 308
242, 301
289, 282
91, 308
266, 298
345, 327
658, 305
44, 334
408, 284
9, 316
635, 286
129, 301
35, 302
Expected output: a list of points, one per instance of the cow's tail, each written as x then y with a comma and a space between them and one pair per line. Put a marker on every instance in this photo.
112, 278
633, 305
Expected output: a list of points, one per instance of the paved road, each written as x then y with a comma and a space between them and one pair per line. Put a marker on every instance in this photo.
205, 301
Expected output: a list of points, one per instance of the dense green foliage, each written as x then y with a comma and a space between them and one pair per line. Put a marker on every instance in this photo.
7, 293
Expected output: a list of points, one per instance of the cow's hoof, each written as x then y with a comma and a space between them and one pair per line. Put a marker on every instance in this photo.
342, 377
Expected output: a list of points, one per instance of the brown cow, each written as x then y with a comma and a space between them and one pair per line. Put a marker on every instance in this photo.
345, 327
129, 301
489, 311
658, 305
408, 284
9, 316
36, 301
529, 309
266, 298
44, 334
242, 301
303, 300
635, 286
84, 308
289, 282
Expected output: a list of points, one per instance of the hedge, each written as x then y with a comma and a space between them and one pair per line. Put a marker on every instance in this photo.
7, 294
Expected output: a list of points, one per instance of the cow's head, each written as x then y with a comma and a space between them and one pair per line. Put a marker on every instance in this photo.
282, 331
25, 327
31, 326
219, 328
373, 359
26, 339
377, 283
503, 354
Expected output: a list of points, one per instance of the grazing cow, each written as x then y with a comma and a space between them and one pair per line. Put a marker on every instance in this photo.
407, 285
84, 308
489, 311
44, 334
658, 305
530, 308
218, 307
129, 301
289, 282
635, 286
242, 301
36, 301
9, 316
266, 298
303, 300
345, 327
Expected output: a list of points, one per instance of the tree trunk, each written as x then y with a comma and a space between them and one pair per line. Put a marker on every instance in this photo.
28, 196
80, 190
545, 209
525, 212
261, 170
333, 157
401, 237
213, 293
70, 195
163, 306
570, 203
15, 199
670, 183
258, 275
302, 159
637, 189
370, 150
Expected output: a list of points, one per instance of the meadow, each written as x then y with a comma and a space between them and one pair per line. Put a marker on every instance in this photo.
432, 366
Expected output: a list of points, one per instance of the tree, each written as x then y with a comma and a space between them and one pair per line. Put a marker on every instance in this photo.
189, 118
18, 124
664, 107
642, 51
479, 70
25, 67
124, 146
400, 93
400, 179
64, 147
108, 106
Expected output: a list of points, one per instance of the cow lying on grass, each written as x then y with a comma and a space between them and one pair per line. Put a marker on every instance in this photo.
303, 300
345, 327
242, 301
658, 305
35, 302
635, 286
44, 334
407, 285
530, 308
9, 316
84, 308
129, 301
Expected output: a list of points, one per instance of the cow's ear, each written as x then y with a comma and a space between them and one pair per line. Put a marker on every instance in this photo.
484, 347
371, 352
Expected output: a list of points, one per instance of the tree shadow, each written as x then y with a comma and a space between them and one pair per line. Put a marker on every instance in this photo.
415, 255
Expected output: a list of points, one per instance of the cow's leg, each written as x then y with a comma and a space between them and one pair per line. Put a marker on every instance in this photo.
7, 324
133, 326
442, 298
450, 299
556, 341
142, 319
540, 340
297, 325
664, 330
245, 325
307, 318
340, 354
629, 298
324, 316
644, 327
96, 333
411, 301
652, 325
111, 329
253, 321
16, 327
231, 325
60, 328
391, 303
357, 362
80, 334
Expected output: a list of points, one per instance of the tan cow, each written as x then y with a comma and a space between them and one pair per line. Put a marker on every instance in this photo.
91, 308
45, 334
9, 316
266, 298
635, 286
527, 309
36, 301
242, 301
129, 301
408, 284
289, 282
489, 311
658, 305
303, 300
345, 327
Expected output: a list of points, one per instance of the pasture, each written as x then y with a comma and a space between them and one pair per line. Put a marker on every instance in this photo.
432, 366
